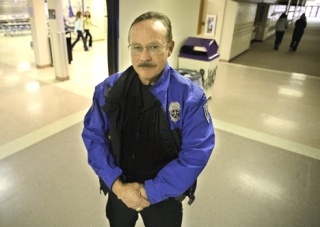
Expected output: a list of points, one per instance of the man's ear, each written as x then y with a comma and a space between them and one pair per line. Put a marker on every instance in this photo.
171, 46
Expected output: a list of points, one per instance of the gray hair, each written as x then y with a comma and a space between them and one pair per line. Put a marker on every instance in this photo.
152, 15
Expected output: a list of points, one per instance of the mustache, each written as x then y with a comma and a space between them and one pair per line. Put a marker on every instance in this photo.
146, 65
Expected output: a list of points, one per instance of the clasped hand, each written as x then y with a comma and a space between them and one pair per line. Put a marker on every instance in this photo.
132, 194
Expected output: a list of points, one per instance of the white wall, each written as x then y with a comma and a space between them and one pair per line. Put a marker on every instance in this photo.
227, 30
214, 7
236, 29
98, 12
244, 26
233, 30
39, 33
182, 13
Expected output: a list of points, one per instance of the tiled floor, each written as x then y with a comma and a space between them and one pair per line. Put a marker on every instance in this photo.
265, 169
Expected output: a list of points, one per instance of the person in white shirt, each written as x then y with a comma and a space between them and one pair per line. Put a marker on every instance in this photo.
78, 29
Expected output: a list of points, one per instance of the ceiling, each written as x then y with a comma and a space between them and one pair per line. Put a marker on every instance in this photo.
13, 7
282, 2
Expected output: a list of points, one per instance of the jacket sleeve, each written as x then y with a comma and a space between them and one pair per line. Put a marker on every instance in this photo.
94, 137
198, 140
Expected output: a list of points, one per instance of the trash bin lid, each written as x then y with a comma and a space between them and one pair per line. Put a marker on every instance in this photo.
199, 49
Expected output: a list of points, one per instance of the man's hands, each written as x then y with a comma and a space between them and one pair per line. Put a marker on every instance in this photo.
143, 193
132, 194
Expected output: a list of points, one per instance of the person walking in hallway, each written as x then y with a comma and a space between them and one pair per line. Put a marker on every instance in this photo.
281, 26
87, 25
78, 28
148, 133
298, 31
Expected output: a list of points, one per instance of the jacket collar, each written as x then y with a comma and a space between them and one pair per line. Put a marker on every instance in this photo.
160, 88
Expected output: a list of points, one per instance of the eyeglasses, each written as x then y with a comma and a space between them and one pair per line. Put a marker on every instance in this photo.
154, 48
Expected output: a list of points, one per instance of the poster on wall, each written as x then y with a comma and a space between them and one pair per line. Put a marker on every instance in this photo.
210, 25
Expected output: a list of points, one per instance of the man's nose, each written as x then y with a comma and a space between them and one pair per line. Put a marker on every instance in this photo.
145, 55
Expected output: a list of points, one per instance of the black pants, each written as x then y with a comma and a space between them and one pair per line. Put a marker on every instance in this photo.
296, 37
167, 213
279, 36
80, 35
88, 35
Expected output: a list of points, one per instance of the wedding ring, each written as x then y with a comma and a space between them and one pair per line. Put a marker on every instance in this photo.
139, 209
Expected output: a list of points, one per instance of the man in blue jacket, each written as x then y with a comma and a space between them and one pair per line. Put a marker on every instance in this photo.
148, 133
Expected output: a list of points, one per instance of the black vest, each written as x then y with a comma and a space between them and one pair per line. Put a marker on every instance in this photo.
140, 139
143, 152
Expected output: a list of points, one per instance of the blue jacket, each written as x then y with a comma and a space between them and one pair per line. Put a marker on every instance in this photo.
186, 109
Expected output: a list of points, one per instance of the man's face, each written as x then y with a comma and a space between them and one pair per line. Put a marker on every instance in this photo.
146, 34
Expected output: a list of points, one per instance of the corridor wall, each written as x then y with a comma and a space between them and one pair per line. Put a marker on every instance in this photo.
183, 15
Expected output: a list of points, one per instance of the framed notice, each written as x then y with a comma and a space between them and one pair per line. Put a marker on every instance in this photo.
210, 25
52, 14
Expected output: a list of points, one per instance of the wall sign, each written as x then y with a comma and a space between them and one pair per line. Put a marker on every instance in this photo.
52, 14
210, 25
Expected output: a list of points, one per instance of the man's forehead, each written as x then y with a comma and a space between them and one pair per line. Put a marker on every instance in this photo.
153, 31
148, 26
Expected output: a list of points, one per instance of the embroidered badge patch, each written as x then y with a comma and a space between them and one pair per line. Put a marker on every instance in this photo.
174, 109
206, 111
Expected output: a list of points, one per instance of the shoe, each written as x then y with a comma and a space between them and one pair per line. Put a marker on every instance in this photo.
276, 48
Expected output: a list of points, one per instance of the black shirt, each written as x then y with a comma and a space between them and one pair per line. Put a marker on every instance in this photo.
143, 152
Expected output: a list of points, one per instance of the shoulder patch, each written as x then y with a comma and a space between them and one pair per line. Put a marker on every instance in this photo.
174, 109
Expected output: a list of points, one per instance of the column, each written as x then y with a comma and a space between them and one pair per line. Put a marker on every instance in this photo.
39, 31
58, 40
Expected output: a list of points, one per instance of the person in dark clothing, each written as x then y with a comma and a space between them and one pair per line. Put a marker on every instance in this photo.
298, 31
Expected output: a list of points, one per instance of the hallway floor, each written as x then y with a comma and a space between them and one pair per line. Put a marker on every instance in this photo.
305, 60
264, 171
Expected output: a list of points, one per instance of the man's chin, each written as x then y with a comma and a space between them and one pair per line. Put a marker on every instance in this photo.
147, 72
147, 78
